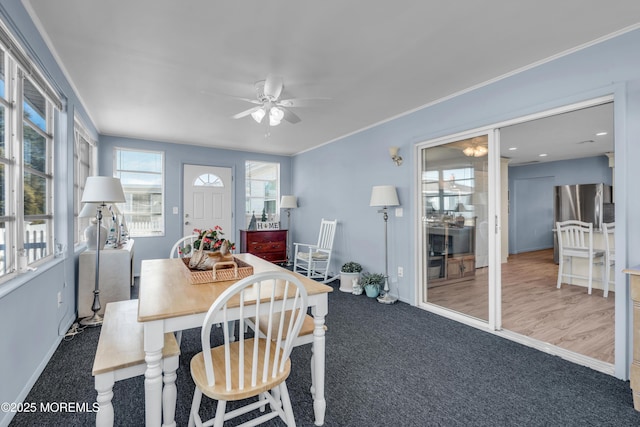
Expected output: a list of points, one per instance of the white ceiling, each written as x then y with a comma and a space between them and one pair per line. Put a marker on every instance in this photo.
169, 70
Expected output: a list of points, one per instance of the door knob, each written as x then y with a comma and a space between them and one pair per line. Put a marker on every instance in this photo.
186, 223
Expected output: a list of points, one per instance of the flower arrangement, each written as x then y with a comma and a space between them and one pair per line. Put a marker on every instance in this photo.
209, 239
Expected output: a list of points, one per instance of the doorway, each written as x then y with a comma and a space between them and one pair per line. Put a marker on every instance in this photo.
207, 198
517, 297
572, 150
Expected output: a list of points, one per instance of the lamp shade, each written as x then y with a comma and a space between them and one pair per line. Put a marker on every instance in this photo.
384, 195
103, 189
288, 202
89, 210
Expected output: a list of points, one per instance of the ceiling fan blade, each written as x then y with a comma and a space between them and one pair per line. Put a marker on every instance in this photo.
273, 86
246, 112
301, 102
289, 115
239, 98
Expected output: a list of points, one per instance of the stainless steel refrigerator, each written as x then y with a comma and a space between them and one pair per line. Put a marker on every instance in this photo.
583, 202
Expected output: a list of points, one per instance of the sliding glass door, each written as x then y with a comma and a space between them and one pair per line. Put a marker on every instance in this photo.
455, 179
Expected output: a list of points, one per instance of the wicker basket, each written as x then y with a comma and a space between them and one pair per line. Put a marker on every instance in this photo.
222, 271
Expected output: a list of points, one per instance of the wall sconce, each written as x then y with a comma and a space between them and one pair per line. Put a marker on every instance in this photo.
393, 152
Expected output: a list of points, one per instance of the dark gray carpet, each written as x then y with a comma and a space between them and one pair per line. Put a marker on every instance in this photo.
387, 365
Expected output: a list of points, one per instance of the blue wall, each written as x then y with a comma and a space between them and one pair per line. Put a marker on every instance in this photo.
33, 324
525, 229
333, 181
176, 156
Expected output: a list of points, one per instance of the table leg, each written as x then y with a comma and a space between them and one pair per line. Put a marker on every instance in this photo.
319, 403
153, 343
169, 391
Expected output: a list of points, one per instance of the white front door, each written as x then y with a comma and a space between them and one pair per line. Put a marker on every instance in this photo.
207, 199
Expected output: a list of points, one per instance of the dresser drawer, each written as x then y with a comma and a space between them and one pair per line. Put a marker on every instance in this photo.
266, 237
268, 246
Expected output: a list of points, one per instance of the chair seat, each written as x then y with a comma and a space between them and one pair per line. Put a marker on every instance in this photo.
581, 252
314, 255
218, 391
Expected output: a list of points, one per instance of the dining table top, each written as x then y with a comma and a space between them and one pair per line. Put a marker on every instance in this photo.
166, 289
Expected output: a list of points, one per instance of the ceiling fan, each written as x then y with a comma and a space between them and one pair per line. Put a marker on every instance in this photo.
269, 108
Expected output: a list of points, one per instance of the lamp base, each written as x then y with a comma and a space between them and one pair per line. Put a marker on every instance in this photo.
387, 299
92, 321
91, 234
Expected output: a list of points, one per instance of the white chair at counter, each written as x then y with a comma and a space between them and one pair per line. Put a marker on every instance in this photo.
608, 231
575, 240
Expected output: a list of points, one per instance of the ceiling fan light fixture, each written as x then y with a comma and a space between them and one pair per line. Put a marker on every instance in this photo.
275, 116
258, 115
468, 151
475, 151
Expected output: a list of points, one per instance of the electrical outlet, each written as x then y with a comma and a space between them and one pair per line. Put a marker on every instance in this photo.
59, 299
400, 271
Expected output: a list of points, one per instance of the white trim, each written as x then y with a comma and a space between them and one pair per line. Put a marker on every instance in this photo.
553, 350
622, 311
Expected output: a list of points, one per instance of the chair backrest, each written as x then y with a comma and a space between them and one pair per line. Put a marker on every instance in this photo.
278, 293
608, 231
183, 243
327, 233
575, 235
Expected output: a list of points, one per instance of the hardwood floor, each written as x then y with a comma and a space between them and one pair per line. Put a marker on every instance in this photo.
532, 305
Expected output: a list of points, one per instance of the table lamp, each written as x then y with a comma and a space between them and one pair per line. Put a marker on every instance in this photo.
385, 196
288, 203
89, 210
98, 191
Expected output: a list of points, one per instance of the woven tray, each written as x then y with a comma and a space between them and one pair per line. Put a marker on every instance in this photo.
222, 271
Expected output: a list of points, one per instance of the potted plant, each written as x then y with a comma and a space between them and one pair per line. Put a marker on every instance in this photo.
372, 283
349, 272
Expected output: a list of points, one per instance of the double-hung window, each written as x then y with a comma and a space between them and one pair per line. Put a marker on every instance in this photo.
262, 188
142, 176
84, 161
26, 161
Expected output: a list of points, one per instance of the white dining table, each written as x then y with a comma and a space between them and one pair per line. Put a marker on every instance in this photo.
168, 302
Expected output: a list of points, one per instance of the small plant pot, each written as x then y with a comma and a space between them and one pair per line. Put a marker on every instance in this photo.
371, 291
346, 281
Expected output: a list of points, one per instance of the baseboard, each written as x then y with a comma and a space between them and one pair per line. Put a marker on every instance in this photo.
8, 416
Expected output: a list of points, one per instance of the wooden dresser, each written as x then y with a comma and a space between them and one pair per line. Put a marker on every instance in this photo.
634, 284
270, 245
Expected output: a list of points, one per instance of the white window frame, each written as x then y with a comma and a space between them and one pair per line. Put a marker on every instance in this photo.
17, 256
134, 229
84, 167
249, 179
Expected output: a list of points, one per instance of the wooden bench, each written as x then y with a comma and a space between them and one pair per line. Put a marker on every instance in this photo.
120, 355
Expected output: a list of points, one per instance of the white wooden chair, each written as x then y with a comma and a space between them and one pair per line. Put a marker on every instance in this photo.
181, 243
176, 253
255, 367
608, 233
313, 260
575, 240
305, 336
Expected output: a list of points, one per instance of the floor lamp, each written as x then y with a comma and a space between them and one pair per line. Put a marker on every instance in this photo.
288, 203
100, 190
385, 196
